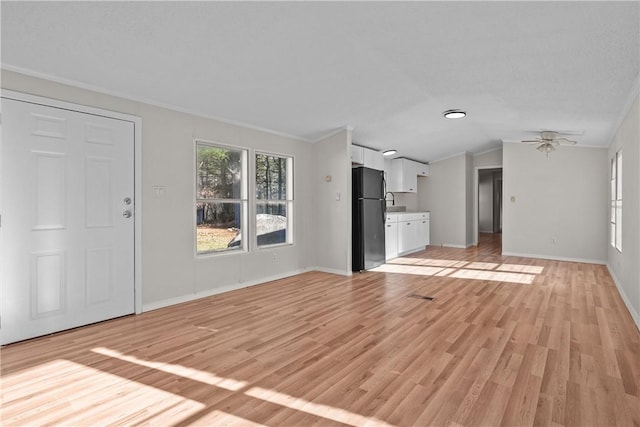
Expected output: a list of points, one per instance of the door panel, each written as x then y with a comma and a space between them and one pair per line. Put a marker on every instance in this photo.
67, 250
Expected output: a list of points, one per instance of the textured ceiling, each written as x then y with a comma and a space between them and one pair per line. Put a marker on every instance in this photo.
387, 69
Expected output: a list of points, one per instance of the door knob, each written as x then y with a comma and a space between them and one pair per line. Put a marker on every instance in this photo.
126, 214
127, 200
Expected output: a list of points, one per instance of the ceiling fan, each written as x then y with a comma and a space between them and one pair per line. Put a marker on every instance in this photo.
548, 141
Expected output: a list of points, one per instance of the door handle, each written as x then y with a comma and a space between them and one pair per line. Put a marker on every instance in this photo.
126, 214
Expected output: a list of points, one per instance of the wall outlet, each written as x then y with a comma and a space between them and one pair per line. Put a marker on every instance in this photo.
275, 257
553, 240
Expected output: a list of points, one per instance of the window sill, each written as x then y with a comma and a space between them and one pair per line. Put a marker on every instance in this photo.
214, 254
275, 245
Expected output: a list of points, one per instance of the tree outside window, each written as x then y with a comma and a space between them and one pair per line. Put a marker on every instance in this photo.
274, 199
221, 197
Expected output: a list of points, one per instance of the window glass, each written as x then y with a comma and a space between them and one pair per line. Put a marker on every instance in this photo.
219, 173
616, 201
221, 202
274, 199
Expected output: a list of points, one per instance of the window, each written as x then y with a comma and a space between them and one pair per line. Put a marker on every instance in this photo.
274, 199
221, 198
616, 201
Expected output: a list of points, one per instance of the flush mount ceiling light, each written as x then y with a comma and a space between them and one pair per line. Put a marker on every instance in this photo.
389, 152
454, 114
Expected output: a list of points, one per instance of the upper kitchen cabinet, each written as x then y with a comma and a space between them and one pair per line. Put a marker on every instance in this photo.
373, 159
367, 157
422, 169
357, 155
403, 175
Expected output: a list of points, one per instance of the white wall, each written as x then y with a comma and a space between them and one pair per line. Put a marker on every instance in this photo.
444, 193
488, 159
331, 217
625, 266
170, 270
410, 200
563, 196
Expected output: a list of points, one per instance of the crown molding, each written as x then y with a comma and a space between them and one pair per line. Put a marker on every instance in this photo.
143, 100
633, 94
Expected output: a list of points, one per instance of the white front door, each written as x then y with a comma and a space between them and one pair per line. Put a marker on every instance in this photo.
67, 236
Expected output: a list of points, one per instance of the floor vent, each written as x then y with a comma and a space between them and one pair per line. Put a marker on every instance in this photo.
421, 297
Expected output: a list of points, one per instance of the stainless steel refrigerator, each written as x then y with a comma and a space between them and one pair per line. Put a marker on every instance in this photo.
368, 218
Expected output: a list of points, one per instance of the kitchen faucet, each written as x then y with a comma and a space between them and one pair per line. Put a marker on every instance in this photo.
393, 198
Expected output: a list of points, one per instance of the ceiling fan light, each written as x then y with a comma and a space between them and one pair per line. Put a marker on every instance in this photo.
389, 152
454, 114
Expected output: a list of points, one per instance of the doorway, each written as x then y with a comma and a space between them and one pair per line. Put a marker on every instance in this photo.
489, 198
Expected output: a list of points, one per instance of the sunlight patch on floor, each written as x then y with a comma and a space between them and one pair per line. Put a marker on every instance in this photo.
409, 269
482, 265
221, 418
28, 394
513, 273
179, 370
325, 411
291, 402
531, 269
430, 262
496, 276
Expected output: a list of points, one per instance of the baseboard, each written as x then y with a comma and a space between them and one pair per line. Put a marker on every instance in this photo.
210, 292
627, 302
556, 258
332, 271
412, 251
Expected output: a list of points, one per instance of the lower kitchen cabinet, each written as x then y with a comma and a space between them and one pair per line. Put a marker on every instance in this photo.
406, 233
423, 232
391, 240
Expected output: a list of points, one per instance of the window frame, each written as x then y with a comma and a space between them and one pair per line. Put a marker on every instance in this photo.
243, 200
615, 214
289, 199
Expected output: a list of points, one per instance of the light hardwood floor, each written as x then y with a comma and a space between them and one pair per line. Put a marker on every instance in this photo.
505, 341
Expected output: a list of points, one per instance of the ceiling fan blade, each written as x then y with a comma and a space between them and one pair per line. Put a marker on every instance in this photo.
530, 141
565, 141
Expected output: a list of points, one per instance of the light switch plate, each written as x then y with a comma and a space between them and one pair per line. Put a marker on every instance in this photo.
158, 190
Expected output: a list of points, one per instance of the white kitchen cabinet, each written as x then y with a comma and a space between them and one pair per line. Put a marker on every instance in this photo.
422, 169
405, 233
391, 237
423, 232
357, 155
413, 232
373, 159
403, 177
406, 236
367, 157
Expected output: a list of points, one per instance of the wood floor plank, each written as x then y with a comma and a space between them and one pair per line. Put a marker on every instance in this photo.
555, 348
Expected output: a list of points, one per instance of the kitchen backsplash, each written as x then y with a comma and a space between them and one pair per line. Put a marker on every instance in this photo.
410, 200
